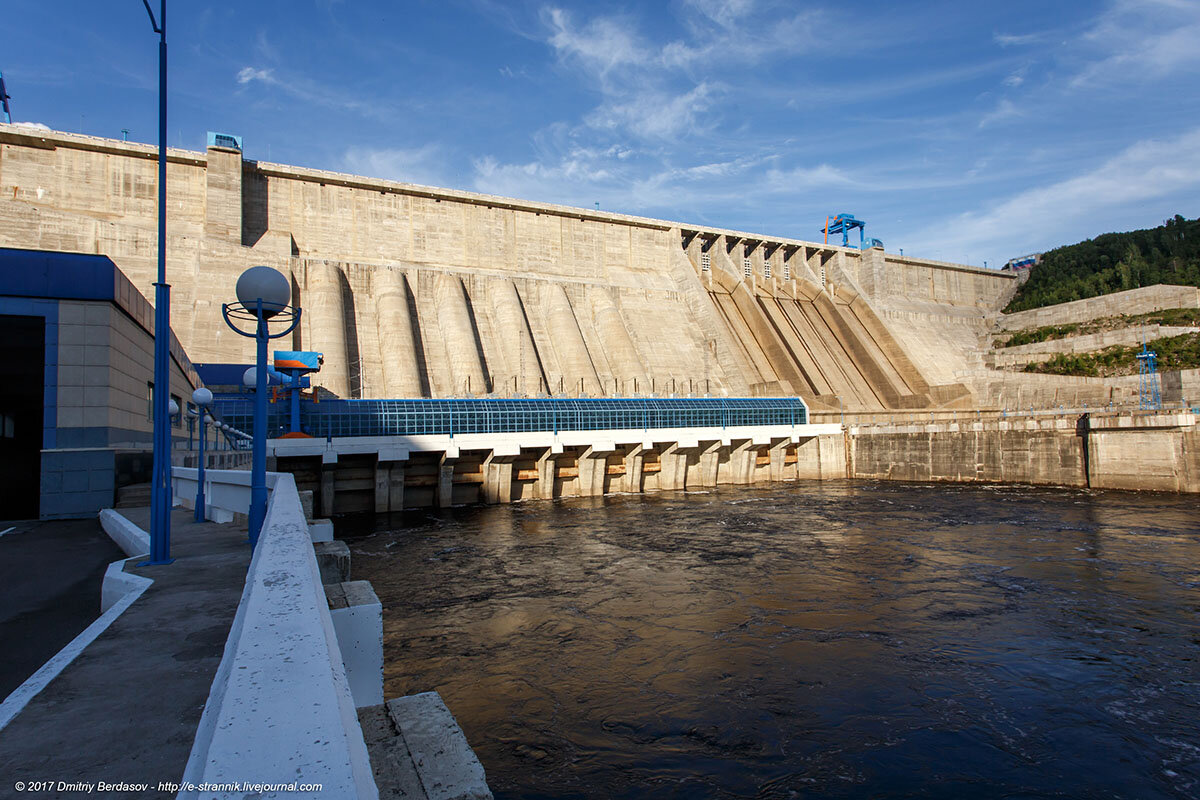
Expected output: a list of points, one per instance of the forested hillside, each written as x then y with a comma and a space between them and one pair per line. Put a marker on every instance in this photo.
1113, 262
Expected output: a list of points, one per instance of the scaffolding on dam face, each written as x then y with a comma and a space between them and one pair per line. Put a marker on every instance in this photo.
409, 417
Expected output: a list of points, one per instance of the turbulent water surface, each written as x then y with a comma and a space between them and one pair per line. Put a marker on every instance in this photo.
813, 640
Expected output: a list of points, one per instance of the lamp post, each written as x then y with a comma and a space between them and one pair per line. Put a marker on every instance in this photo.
160, 492
263, 294
203, 399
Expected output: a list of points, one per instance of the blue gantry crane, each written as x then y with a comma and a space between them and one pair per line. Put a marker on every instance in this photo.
843, 224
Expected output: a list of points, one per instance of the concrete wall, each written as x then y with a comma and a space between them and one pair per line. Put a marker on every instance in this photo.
1141, 451
431, 291
1128, 303
103, 424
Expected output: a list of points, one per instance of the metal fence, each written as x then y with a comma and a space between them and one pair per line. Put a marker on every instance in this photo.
414, 417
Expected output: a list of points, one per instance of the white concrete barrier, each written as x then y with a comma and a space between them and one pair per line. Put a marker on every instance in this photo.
227, 497
280, 710
226, 491
358, 621
129, 537
118, 584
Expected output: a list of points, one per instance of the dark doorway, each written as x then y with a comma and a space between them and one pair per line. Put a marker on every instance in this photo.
22, 366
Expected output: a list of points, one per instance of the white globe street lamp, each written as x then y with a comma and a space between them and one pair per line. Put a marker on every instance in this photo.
202, 398
263, 294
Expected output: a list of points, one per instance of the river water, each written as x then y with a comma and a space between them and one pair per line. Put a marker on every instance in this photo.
833, 639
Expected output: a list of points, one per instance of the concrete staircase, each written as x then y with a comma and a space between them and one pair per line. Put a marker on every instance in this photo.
136, 495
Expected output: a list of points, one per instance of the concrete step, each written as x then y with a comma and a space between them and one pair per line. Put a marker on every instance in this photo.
417, 750
136, 495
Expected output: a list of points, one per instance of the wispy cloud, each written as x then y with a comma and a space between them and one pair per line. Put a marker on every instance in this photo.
306, 89
655, 89
1005, 109
1049, 215
423, 165
248, 74
1018, 40
802, 178
1137, 40
601, 45
1016, 78
621, 180
655, 114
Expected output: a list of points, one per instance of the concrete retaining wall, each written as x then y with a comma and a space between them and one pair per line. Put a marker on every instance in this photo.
1128, 303
1143, 451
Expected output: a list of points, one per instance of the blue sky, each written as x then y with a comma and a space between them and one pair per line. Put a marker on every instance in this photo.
958, 130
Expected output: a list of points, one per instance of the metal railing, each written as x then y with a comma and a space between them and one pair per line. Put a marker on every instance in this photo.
340, 418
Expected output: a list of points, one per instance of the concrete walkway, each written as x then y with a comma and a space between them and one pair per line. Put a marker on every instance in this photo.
50, 576
127, 708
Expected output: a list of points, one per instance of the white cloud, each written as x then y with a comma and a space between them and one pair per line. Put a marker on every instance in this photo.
1068, 210
35, 125
603, 44
248, 74
653, 114
1015, 79
571, 180
660, 89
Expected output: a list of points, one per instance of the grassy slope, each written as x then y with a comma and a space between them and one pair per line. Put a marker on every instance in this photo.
1175, 352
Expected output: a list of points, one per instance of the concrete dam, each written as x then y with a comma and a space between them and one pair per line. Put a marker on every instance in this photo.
412, 291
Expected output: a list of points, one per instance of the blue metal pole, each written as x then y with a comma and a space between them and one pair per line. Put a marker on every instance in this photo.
258, 468
160, 502
200, 474
295, 398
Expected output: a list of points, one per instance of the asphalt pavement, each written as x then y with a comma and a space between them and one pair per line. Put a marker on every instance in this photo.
50, 576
